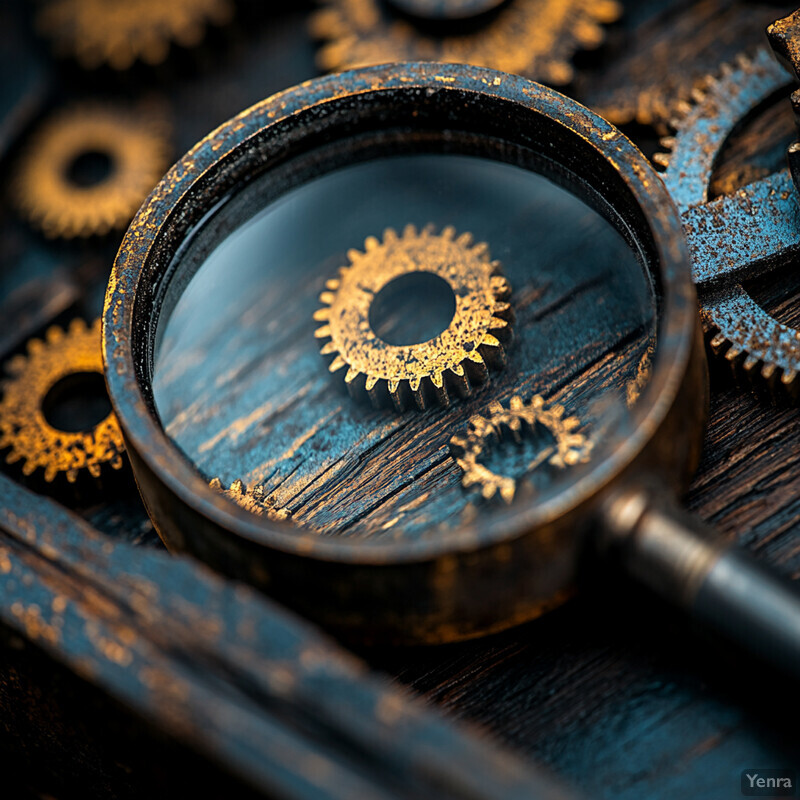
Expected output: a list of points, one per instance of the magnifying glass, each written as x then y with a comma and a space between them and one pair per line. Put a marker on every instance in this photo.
402, 345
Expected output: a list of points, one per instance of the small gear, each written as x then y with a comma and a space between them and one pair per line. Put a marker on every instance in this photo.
740, 235
534, 38
429, 372
253, 500
24, 427
568, 448
97, 32
133, 143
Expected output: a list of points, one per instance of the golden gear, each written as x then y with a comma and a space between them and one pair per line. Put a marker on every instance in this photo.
134, 140
534, 38
417, 374
252, 500
23, 426
115, 33
569, 448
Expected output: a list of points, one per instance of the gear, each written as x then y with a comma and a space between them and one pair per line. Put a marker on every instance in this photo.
429, 372
252, 500
97, 32
568, 448
534, 38
133, 143
740, 235
24, 427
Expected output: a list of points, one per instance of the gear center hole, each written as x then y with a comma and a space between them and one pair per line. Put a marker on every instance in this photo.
412, 309
518, 459
77, 402
90, 168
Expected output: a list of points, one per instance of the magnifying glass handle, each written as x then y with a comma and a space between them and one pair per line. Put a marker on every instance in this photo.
681, 559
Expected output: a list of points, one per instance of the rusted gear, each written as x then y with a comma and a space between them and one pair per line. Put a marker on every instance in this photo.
253, 500
136, 145
568, 447
451, 363
737, 236
117, 34
534, 38
24, 428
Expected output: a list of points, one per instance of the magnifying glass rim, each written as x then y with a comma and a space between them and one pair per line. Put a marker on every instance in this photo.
146, 436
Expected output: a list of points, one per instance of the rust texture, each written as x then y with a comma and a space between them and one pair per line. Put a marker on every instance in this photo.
566, 449
741, 236
534, 38
422, 589
136, 144
417, 375
24, 429
98, 32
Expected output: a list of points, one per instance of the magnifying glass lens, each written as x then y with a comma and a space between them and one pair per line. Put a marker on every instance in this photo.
404, 277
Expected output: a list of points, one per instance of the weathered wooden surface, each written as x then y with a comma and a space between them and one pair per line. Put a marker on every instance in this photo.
242, 389
613, 692
229, 678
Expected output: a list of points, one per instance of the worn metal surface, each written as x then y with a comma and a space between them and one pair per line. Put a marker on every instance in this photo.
613, 693
26, 432
742, 235
270, 705
418, 374
407, 589
534, 38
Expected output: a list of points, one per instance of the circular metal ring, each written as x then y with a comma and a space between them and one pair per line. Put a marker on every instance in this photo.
481, 577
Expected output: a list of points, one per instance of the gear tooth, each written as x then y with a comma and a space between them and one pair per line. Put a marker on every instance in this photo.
697, 95
215, 483
501, 288
371, 382
465, 240
327, 298
337, 364
333, 284
457, 381
507, 491
323, 333
410, 231
353, 254
390, 235
750, 364
789, 377
493, 352
328, 349
258, 493
683, 108
515, 404
428, 230
661, 159
322, 315
448, 232
77, 326
371, 243
668, 142
54, 335
17, 365
481, 249
719, 343
352, 375
238, 487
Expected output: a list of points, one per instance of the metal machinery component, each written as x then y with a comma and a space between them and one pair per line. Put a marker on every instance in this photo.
508, 568
428, 372
131, 148
252, 499
500, 571
741, 236
567, 449
535, 38
62, 358
99, 32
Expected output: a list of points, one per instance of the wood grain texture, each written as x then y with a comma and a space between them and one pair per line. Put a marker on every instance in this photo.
614, 692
